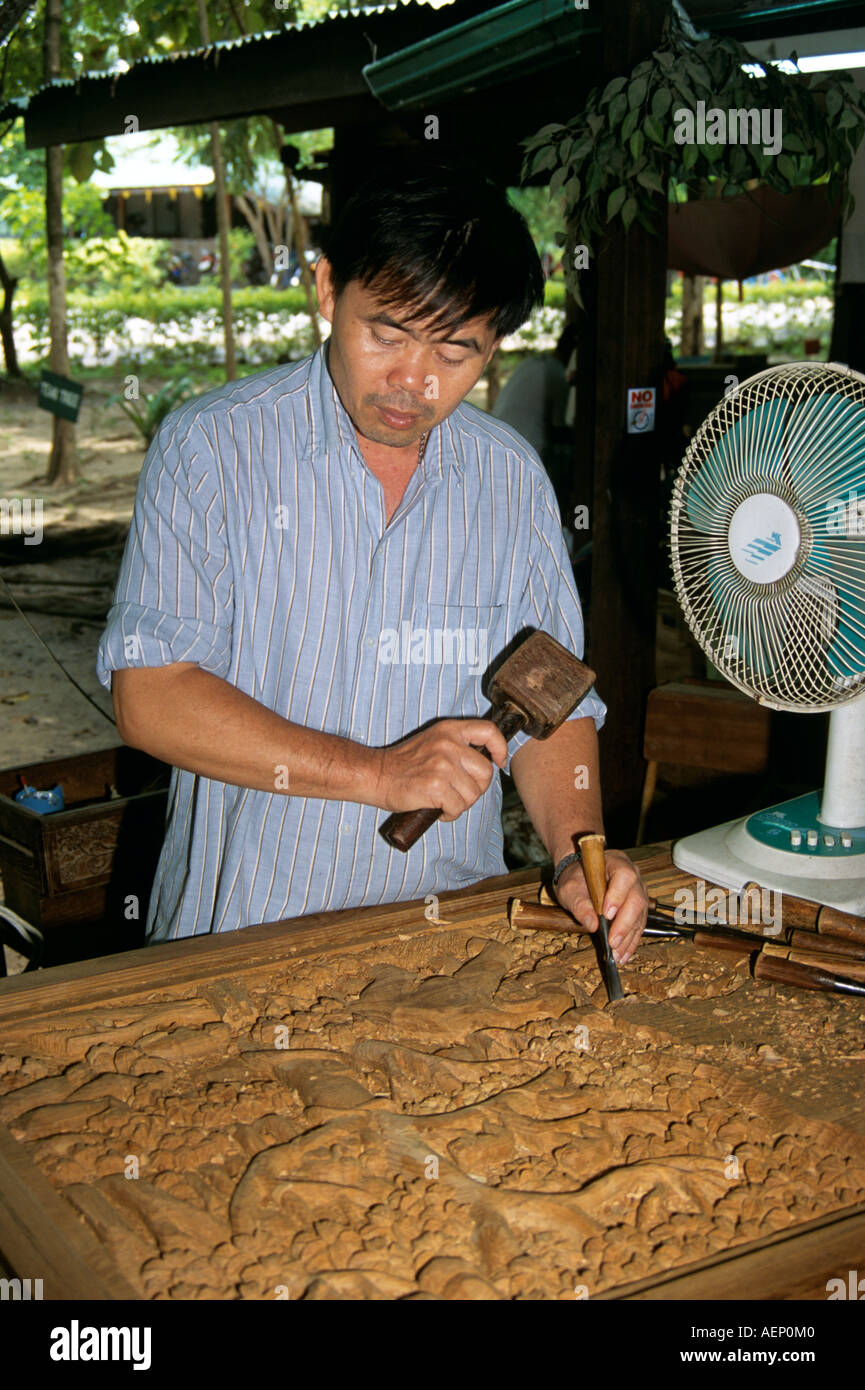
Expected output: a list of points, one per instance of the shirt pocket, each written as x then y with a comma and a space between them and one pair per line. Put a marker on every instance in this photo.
456, 644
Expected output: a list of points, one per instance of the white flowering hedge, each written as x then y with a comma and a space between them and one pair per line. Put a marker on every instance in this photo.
185, 329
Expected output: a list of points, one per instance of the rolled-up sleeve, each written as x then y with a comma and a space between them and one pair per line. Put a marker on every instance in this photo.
550, 601
174, 597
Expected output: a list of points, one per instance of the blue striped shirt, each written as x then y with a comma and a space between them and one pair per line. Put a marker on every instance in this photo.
260, 549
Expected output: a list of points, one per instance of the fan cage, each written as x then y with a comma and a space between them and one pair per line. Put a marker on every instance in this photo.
798, 432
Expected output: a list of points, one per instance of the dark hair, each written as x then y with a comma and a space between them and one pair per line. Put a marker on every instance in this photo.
439, 241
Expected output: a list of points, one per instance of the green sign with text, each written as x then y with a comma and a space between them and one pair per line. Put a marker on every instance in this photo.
59, 395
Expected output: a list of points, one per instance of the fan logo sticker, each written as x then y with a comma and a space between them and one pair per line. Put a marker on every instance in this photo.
758, 549
764, 538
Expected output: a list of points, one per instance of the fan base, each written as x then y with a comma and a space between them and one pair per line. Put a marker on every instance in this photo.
731, 857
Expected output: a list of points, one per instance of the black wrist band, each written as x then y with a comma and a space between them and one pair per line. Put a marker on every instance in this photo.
575, 858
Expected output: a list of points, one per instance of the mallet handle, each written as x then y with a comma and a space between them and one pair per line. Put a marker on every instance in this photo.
404, 828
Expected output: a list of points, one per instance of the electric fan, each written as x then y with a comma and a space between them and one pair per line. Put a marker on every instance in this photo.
767, 529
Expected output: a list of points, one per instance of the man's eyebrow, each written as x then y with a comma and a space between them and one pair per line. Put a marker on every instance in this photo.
387, 322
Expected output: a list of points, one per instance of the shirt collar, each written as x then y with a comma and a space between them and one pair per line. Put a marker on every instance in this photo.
332, 432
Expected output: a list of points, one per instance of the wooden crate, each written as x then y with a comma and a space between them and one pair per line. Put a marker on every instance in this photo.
71, 872
420, 1037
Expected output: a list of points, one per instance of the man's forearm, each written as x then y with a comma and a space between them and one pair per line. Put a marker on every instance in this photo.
194, 720
558, 780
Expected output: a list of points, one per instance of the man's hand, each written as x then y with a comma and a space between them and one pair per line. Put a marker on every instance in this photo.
439, 767
625, 902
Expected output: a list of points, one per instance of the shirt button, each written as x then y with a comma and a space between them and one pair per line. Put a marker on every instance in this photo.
370, 641
344, 829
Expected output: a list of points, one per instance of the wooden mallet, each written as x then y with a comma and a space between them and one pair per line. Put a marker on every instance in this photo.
534, 690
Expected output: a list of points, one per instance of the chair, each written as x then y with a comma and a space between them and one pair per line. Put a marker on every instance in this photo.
701, 723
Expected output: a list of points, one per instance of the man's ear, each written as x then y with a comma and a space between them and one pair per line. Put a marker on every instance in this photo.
493, 350
324, 288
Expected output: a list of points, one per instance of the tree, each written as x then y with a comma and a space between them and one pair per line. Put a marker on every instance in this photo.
62, 465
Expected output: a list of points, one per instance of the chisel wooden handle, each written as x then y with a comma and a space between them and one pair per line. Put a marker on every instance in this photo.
839, 965
802, 912
591, 849
789, 972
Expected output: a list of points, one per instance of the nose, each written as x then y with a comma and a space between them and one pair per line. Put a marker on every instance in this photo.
408, 374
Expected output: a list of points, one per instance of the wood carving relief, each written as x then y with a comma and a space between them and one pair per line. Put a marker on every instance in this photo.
456, 1115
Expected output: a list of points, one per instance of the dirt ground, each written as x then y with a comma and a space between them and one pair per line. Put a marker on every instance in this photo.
65, 583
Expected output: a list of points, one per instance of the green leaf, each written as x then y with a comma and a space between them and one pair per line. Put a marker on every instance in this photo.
654, 130
618, 107
650, 179
848, 121
689, 156
544, 159
613, 88
557, 180
637, 91
629, 124
629, 212
662, 101
786, 167
595, 179
546, 131
571, 191
615, 201
664, 58
565, 148
834, 102
636, 144
795, 143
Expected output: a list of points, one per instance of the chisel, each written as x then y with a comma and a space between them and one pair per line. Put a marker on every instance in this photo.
591, 849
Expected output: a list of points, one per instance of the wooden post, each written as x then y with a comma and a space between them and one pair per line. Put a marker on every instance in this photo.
719, 319
631, 284
848, 340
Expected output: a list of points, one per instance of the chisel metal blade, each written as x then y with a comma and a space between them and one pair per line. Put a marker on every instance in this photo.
611, 970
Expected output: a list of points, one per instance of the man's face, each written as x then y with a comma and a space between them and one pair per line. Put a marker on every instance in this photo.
397, 379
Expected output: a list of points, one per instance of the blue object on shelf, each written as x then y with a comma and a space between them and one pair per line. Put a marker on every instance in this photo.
43, 803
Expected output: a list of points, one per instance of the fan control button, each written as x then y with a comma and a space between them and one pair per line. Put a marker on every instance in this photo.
828, 841
846, 839
812, 837
795, 839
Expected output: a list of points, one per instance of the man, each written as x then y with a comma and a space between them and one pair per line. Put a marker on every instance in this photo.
533, 401
305, 545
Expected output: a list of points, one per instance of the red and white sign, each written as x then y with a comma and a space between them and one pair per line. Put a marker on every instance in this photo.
641, 409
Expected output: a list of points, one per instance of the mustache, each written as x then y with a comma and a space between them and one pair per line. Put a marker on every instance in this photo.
412, 408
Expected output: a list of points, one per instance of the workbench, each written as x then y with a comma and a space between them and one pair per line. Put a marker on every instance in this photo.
416, 1101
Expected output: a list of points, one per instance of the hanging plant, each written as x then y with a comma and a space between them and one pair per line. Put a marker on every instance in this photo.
669, 123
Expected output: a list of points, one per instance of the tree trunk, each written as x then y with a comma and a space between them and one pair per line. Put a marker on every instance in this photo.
719, 319
300, 237
7, 336
255, 218
692, 316
62, 464
221, 220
